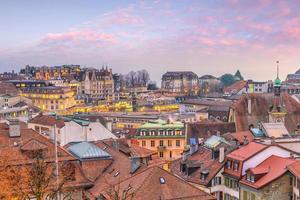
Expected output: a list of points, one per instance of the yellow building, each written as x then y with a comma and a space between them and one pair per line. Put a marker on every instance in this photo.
166, 137
50, 98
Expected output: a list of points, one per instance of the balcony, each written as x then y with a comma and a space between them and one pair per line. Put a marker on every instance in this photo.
161, 148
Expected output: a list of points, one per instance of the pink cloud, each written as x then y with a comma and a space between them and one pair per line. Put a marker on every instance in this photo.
261, 27
123, 17
76, 36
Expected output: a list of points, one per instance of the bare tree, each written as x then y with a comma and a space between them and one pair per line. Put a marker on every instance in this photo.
144, 77
36, 179
115, 192
131, 79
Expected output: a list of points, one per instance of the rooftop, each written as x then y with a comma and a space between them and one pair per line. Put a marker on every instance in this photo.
247, 151
273, 167
156, 183
162, 124
86, 150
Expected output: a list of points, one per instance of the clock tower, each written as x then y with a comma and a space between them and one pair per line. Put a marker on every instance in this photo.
277, 111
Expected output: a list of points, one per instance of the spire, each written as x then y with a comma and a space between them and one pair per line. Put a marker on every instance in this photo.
277, 80
277, 69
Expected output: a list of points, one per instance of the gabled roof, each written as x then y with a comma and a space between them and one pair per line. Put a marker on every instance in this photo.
294, 168
156, 183
236, 87
247, 151
85, 150
273, 168
33, 144
47, 120
202, 160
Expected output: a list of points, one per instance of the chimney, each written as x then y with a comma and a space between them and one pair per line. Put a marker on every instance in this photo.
14, 128
221, 154
249, 106
129, 142
116, 145
245, 141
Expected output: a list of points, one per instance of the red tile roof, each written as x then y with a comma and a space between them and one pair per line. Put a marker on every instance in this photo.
202, 157
47, 120
247, 151
295, 169
260, 111
236, 87
147, 185
240, 136
14, 151
274, 167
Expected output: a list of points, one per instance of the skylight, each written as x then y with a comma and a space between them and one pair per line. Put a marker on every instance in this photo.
162, 180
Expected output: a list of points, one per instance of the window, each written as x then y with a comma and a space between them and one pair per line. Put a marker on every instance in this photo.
177, 143
250, 177
170, 154
236, 166
217, 181
228, 164
226, 181
161, 154
143, 143
161, 143
169, 143
152, 143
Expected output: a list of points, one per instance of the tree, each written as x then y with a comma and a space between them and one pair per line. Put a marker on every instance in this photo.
116, 192
131, 79
36, 179
143, 77
238, 76
227, 79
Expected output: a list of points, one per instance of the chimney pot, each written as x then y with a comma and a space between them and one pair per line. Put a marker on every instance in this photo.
14, 128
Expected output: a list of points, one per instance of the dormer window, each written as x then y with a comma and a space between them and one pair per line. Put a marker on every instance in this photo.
204, 174
236, 166
250, 177
228, 164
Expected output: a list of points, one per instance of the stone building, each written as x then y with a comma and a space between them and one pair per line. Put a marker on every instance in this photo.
268, 180
183, 82
97, 84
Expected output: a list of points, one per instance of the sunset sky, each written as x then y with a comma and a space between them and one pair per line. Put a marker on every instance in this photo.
207, 37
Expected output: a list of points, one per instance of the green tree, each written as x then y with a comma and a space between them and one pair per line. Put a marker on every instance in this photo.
238, 76
227, 79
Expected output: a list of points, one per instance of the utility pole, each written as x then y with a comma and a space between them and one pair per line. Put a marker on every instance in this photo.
56, 163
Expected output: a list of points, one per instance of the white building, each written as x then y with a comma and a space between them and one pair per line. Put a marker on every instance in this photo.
69, 129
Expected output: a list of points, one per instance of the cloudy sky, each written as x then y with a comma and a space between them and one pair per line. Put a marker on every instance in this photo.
207, 37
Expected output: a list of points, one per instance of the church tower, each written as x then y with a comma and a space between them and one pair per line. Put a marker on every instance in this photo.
277, 111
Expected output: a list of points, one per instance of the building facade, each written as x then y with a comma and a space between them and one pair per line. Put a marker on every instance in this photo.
167, 138
183, 82
50, 98
97, 84
47, 73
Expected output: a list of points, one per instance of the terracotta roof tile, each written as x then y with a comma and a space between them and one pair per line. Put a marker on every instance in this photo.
260, 111
273, 167
236, 87
295, 169
203, 158
247, 151
47, 120
240, 136
156, 183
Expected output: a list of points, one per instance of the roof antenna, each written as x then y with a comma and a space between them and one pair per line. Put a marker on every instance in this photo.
277, 69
